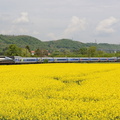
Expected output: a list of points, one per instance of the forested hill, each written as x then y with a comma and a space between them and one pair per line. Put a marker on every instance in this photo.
33, 43
64, 44
21, 41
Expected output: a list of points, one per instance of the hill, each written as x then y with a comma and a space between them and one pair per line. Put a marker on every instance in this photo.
21, 41
62, 44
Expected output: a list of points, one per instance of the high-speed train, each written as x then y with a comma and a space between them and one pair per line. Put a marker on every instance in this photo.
4, 59
22, 60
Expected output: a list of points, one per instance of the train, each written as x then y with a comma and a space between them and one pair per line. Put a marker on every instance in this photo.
5, 59
25, 60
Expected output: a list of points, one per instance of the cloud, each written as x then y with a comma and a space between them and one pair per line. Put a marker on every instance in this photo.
14, 30
36, 32
23, 18
75, 25
23, 30
105, 26
4, 17
6, 32
11, 26
52, 36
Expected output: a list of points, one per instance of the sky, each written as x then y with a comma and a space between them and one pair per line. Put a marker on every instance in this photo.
79, 20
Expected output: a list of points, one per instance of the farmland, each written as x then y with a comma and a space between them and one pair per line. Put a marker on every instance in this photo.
60, 91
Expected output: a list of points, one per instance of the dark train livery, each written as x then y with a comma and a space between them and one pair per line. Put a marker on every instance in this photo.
20, 60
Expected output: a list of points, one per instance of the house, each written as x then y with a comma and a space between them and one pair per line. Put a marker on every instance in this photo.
32, 52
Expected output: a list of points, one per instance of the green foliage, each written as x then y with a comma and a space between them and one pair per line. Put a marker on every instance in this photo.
21, 41
38, 52
46, 61
64, 44
41, 53
62, 47
25, 52
91, 51
28, 48
117, 54
13, 50
83, 51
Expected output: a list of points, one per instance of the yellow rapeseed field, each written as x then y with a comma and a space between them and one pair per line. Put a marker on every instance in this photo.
64, 91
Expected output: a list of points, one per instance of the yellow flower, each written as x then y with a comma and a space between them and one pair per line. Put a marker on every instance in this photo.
64, 91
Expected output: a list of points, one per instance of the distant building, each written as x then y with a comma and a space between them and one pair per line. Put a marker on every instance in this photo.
49, 53
32, 52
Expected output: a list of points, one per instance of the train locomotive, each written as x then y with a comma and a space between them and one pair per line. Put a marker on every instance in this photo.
25, 60
4, 59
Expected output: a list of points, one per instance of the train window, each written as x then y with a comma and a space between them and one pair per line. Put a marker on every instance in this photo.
103, 59
111, 59
73, 59
61, 59
17, 60
94, 59
50, 59
31, 59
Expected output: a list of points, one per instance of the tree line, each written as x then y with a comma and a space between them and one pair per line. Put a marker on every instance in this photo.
91, 51
14, 50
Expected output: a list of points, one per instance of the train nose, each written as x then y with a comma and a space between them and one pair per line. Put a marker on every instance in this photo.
8, 58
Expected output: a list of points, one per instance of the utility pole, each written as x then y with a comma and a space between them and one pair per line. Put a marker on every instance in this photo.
95, 41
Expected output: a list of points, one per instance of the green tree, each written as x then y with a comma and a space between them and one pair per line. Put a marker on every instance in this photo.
91, 51
25, 52
100, 53
83, 51
13, 50
117, 54
41, 53
28, 48
38, 52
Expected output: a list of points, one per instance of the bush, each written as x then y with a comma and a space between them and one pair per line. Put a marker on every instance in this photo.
45, 61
